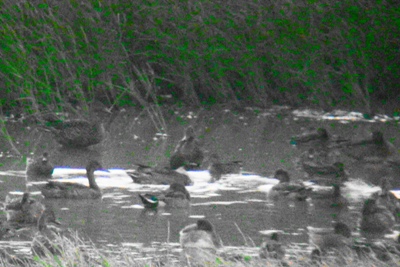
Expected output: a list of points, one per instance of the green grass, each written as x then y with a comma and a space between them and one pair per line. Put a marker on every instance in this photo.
57, 56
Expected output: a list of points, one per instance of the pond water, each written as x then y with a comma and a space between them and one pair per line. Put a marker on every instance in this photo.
238, 205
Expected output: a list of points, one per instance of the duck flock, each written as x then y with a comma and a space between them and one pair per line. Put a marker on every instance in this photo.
199, 241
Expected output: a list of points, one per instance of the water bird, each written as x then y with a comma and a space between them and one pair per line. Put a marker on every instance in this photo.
326, 174
272, 248
149, 201
199, 235
24, 211
217, 169
80, 133
376, 219
55, 189
331, 199
40, 168
188, 153
199, 243
387, 198
326, 240
176, 196
319, 134
374, 149
149, 175
287, 189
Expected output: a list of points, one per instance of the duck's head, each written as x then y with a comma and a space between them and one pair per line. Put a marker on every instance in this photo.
282, 176
205, 225
342, 229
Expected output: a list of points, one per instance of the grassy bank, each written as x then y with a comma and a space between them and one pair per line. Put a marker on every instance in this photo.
58, 55
77, 252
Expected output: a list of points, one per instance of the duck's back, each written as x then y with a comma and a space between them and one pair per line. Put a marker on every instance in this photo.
69, 190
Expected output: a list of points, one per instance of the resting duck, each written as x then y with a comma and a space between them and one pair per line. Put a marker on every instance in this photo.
45, 239
73, 190
80, 133
326, 175
287, 189
188, 152
176, 196
40, 168
376, 219
217, 169
326, 240
24, 211
271, 248
199, 235
148, 175
375, 149
330, 199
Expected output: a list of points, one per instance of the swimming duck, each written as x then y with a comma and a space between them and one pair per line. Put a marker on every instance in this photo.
326, 175
217, 169
75, 191
175, 196
329, 199
40, 168
271, 248
376, 219
375, 149
188, 152
148, 175
80, 133
24, 211
199, 235
45, 239
287, 189
327, 240
320, 134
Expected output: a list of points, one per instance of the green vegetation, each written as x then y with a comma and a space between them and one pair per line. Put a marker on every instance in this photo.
65, 54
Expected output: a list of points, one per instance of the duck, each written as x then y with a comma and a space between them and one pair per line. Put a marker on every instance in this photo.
287, 189
199, 243
188, 153
80, 133
46, 239
199, 235
176, 196
24, 211
326, 240
55, 189
319, 134
329, 199
272, 248
375, 219
217, 169
164, 176
40, 168
374, 149
326, 174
